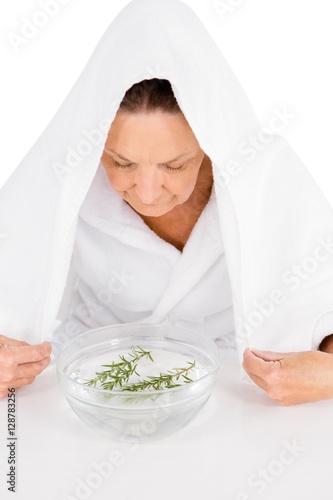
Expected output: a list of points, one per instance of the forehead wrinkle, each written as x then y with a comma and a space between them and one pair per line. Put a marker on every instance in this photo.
174, 160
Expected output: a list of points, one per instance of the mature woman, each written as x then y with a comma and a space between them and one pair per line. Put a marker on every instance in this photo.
147, 187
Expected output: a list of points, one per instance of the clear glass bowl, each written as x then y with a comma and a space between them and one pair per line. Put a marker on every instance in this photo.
144, 415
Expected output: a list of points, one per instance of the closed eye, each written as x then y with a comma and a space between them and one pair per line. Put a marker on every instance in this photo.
174, 169
129, 165
119, 165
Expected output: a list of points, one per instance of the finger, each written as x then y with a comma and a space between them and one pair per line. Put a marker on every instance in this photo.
26, 370
17, 384
254, 365
259, 381
22, 382
27, 354
9, 341
270, 355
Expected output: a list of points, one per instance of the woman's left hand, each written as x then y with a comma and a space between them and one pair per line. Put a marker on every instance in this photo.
291, 378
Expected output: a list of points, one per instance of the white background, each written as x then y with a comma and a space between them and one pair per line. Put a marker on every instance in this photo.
281, 51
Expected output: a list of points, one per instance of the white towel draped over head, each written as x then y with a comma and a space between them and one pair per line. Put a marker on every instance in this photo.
277, 227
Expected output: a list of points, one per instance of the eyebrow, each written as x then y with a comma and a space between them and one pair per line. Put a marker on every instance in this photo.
126, 159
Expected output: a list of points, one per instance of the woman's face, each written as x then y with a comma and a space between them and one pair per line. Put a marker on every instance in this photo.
152, 160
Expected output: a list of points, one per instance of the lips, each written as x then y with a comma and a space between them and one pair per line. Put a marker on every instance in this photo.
148, 204
151, 204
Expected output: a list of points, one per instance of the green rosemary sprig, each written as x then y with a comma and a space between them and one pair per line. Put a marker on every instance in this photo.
163, 380
118, 374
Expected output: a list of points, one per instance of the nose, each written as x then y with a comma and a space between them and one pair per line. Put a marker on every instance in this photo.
148, 184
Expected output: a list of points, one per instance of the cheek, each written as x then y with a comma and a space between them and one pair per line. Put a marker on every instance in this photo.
184, 185
182, 188
118, 180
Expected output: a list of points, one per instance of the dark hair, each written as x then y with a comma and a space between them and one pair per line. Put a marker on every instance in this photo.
150, 95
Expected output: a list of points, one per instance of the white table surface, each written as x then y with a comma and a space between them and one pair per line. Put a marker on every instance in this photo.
241, 446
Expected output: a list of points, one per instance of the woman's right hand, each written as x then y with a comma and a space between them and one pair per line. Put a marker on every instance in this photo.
20, 363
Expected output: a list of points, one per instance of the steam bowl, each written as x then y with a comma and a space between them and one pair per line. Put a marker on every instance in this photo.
145, 415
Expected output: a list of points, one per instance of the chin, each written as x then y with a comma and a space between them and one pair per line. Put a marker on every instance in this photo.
151, 211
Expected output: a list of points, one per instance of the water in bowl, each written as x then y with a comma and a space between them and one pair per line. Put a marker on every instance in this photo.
141, 414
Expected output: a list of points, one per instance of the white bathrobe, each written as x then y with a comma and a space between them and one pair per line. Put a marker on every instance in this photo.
126, 273
275, 224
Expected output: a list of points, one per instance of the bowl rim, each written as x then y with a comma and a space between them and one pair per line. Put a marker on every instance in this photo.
120, 392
